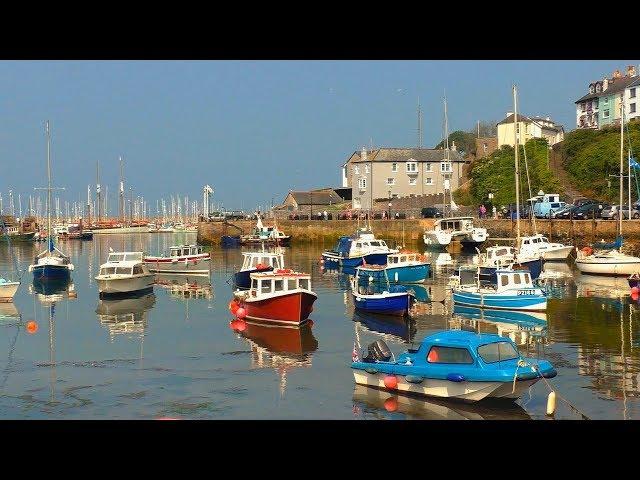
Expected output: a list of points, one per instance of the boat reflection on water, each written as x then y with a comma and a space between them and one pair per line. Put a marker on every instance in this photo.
279, 347
601, 286
53, 290
186, 286
386, 403
125, 315
9, 313
524, 328
402, 328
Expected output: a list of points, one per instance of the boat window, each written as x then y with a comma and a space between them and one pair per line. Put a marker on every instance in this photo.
544, 239
174, 252
304, 283
123, 270
358, 245
254, 283
278, 285
375, 244
449, 355
291, 284
526, 242
496, 352
266, 286
185, 251
516, 279
382, 243
137, 270
116, 257
504, 280
107, 271
527, 279
254, 261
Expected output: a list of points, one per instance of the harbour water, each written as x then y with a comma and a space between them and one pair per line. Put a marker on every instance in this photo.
173, 353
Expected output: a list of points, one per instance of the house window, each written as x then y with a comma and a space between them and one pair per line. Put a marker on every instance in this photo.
394, 167
412, 167
584, 106
606, 113
632, 108
391, 181
632, 93
366, 168
412, 181
356, 170
445, 167
428, 168
595, 103
606, 100
428, 181
362, 183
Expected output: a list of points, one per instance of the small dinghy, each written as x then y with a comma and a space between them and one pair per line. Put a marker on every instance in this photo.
372, 293
453, 364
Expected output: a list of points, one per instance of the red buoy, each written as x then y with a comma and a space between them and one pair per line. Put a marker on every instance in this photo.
233, 306
32, 327
391, 381
241, 313
241, 325
635, 296
635, 290
391, 404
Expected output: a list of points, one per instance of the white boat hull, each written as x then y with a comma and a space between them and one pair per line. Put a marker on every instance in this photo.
124, 284
105, 231
8, 290
557, 253
608, 267
469, 391
437, 238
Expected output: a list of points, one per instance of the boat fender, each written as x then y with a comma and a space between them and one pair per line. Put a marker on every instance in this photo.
413, 379
241, 313
455, 377
391, 404
391, 382
551, 403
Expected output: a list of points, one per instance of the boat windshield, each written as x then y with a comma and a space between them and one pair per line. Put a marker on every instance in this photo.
115, 271
497, 352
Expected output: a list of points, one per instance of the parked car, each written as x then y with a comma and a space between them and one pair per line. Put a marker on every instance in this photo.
567, 212
510, 211
589, 210
431, 212
612, 212
558, 213
583, 201
216, 216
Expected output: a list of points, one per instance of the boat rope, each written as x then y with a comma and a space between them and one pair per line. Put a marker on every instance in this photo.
551, 389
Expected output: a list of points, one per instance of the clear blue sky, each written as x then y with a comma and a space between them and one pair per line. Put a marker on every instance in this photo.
253, 130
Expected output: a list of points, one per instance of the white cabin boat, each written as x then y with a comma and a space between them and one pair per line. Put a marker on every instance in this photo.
181, 259
446, 230
124, 273
539, 245
8, 289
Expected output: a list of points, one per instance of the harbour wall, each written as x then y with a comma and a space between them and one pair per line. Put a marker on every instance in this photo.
576, 232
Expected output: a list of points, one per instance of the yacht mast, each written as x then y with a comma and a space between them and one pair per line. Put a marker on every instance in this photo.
516, 146
621, 167
49, 246
446, 154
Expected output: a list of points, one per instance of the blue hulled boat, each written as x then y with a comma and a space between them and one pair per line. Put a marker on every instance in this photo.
452, 364
502, 256
403, 268
527, 320
354, 250
377, 295
513, 290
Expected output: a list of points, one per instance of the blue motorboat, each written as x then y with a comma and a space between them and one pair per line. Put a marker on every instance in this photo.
372, 293
403, 268
362, 247
513, 290
525, 320
453, 364
401, 327
256, 262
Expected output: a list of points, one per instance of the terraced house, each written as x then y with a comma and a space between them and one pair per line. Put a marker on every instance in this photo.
385, 173
601, 106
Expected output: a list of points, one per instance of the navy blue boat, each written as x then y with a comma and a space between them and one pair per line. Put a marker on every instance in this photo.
362, 247
228, 241
378, 296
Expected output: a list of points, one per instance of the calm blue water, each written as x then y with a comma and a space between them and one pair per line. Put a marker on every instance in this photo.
173, 354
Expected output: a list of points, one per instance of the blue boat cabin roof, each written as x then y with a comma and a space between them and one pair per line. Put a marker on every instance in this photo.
457, 338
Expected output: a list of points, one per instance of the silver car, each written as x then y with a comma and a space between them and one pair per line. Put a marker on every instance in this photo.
611, 212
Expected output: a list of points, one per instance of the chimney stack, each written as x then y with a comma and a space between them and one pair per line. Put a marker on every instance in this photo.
453, 146
363, 154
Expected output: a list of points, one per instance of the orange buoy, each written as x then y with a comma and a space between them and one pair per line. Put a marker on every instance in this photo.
391, 381
233, 306
241, 325
32, 326
635, 290
391, 404
241, 313
635, 296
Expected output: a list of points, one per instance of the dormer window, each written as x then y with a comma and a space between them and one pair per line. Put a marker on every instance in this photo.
598, 88
412, 166
591, 89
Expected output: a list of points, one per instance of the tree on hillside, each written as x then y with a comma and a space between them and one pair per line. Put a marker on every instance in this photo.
465, 142
487, 129
495, 173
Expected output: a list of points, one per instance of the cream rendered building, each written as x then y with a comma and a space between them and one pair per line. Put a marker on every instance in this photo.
386, 173
528, 128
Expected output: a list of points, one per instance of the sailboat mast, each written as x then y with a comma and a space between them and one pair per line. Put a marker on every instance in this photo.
621, 167
48, 190
516, 146
446, 152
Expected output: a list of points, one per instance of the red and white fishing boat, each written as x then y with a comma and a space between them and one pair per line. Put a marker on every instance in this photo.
281, 296
181, 259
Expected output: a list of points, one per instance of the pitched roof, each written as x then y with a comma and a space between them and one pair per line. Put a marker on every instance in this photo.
521, 118
615, 86
324, 197
392, 154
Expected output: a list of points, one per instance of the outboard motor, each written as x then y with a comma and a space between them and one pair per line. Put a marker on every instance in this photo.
378, 350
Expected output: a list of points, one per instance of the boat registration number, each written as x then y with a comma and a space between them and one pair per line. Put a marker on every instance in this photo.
526, 292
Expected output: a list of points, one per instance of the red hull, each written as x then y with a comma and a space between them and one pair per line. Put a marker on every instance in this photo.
293, 308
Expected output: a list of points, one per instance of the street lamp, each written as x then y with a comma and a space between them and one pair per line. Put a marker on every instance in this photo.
389, 209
